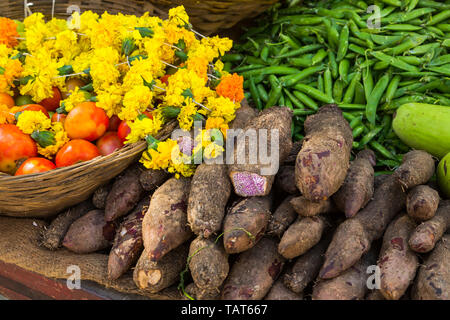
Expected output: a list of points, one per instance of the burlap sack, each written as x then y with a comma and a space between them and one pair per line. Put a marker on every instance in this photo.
19, 245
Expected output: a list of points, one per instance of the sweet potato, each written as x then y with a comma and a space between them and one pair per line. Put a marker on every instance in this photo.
125, 193
285, 180
128, 243
306, 267
425, 236
100, 195
152, 179
254, 272
165, 224
201, 294
322, 163
422, 202
433, 280
208, 263
154, 276
90, 233
307, 208
210, 190
292, 156
244, 114
380, 179
245, 223
350, 285
375, 295
358, 188
282, 218
302, 235
53, 236
280, 292
354, 236
397, 262
417, 168
272, 128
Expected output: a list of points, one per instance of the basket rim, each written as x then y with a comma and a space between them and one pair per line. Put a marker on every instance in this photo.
97, 161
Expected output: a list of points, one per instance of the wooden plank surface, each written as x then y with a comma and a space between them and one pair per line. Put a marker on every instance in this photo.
19, 284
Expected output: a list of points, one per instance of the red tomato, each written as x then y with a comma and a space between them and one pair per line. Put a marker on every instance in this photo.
35, 165
7, 100
14, 146
51, 104
109, 143
123, 131
86, 121
59, 117
75, 151
114, 123
34, 107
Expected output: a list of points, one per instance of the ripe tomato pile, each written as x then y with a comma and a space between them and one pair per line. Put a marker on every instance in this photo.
91, 132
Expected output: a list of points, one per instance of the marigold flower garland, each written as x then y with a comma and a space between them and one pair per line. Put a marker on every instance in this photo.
132, 65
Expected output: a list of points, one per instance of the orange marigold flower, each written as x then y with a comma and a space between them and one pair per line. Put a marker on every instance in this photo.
8, 32
231, 87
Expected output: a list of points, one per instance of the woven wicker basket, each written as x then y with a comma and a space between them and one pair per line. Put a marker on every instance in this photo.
45, 194
210, 16
207, 16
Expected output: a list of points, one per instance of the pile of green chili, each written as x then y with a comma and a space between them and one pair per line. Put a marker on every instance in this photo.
320, 52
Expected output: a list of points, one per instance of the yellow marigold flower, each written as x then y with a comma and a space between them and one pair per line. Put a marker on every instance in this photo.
103, 67
178, 16
231, 87
135, 102
212, 151
60, 137
199, 65
181, 166
181, 81
162, 156
6, 116
186, 115
110, 99
141, 128
30, 121
43, 70
222, 107
76, 97
12, 69
217, 123
8, 32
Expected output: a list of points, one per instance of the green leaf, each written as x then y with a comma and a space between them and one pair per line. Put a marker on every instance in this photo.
170, 112
62, 109
145, 32
93, 99
17, 114
149, 84
128, 46
64, 70
181, 44
2, 70
142, 116
139, 56
187, 93
198, 117
180, 54
88, 87
44, 138
152, 142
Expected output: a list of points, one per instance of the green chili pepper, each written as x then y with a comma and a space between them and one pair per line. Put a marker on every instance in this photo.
290, 80
393, 61
358, 131
441, 16
369, 136
297, 52
343, 43
262, 92
328, 83
338, 90
307, 101
255, 94
296, 102
333, 64
375, 96
349, 94
392, 88
344, 65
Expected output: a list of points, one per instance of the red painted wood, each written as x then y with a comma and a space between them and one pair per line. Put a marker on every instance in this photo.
12, 295
49, 287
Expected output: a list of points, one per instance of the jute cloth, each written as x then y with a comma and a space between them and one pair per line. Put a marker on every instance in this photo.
19, 245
